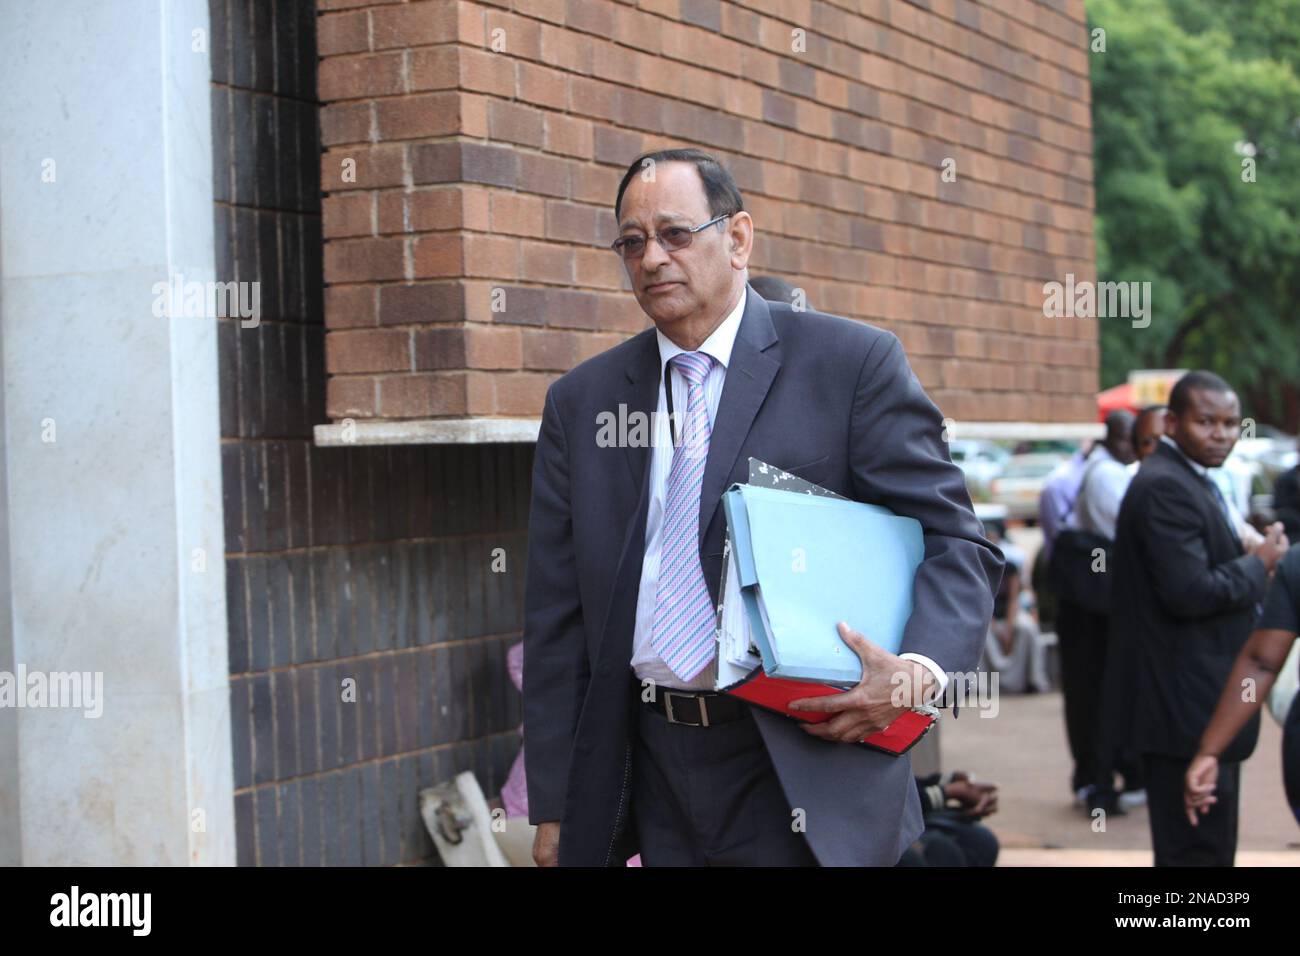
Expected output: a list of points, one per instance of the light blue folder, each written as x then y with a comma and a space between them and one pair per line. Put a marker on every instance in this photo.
807, 561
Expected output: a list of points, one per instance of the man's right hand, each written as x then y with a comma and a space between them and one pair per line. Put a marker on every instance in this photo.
546, 844
1274, 546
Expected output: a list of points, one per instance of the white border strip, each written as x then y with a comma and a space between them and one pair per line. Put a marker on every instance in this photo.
487, 431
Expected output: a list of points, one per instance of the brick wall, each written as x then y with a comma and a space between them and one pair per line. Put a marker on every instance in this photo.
347, 564
473, 149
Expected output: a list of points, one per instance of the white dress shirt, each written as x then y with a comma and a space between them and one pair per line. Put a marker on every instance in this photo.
1104, 482
646, 663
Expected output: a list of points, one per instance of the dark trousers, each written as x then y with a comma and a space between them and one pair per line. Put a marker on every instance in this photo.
1081, 637
1119, 689
1213, 841
709, 796
1097, 737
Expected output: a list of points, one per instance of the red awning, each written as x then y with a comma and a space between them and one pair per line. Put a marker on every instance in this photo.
1119, 397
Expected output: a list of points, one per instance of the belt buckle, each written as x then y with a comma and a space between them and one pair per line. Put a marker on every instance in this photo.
668, 706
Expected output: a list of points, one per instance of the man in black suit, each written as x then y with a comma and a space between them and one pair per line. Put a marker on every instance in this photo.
1184, 597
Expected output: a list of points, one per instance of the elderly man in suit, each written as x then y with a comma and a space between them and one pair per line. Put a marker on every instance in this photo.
629, 748
1184, 600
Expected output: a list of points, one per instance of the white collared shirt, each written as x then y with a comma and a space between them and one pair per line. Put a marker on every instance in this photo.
646, 663
1102, 489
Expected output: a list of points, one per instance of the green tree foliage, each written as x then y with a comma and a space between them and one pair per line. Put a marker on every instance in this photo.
1192, 100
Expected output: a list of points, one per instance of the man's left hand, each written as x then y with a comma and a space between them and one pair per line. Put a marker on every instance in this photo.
889, 687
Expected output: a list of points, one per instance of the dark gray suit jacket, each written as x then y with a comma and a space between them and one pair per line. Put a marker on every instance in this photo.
827, 398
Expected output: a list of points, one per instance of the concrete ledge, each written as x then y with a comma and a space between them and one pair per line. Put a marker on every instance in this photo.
486, 431
1026, 431
442, 431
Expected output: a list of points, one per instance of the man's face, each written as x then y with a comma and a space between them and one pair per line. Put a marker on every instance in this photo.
1150, 426
1122, 448
689, 282
1208, 428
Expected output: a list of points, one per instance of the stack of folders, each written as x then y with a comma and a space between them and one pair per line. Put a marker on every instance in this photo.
798, 559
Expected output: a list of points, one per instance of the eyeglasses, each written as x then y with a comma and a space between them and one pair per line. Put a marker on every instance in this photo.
673, 239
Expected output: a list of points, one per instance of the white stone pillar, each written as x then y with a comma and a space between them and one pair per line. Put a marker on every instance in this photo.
111, 432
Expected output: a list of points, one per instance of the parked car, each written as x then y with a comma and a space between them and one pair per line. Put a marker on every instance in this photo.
1021, 483
982, 461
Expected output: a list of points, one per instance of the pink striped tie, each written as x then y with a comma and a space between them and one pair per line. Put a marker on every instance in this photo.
683, 632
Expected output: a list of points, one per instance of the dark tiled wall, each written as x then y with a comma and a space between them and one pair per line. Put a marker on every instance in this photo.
345, 567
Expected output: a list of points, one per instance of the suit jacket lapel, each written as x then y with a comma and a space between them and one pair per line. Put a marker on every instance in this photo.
640, 393
755, 360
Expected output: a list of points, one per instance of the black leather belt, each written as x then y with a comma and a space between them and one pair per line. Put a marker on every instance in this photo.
696, 709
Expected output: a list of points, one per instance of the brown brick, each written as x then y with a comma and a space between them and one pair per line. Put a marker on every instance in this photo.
542, 85
345, 123
440, 348
547, 262
414, 24
421, 303
372, 166
342, 32
485, 72
412, 117
493, 347
593, 98
569, 135
474, 347
591, 16
515, 123
514, 304
475, 208
428, 210
617, 146
640, 30
357, 77
347, 214
547, 175
437, 256
472, 25
467, 162
552, 10
549, 349
518, 37
434, 68
571, 222
364, 260
600, 267
518, 214
617, 63
426, 395
495, 257
350, 306
367, 350
521, 393
566, 50
350, 397
598, 184
345, 4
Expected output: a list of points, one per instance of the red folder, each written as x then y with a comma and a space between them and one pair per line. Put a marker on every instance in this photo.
775, 694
